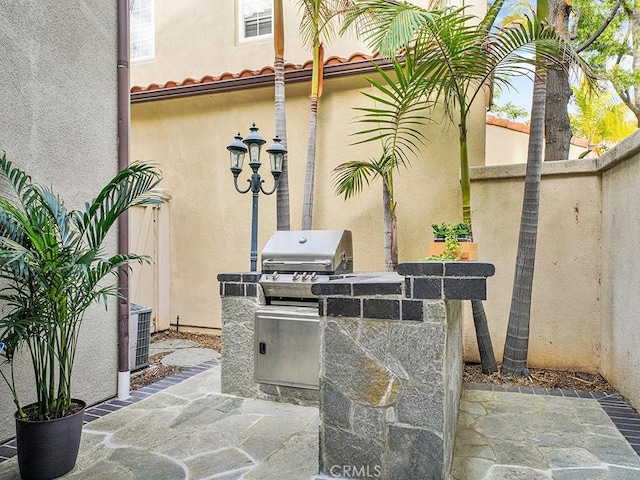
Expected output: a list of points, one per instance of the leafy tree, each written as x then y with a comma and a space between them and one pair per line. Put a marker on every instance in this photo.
556, 117
593, 28
510, 111
616, 53
600, 117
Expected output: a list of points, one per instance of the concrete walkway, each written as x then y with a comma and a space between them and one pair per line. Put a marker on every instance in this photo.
185, 429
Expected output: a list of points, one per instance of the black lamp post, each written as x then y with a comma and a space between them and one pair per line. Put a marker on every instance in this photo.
237, 151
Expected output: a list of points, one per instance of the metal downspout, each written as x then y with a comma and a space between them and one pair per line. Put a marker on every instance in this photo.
124, 114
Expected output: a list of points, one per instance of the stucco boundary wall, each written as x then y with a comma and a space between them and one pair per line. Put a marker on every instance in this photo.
620, 357
586, 284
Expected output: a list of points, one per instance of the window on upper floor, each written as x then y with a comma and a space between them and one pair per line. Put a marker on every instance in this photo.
256, 18
141, 29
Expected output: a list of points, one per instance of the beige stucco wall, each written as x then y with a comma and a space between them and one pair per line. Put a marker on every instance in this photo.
59, 121
210, 221
195, 38
506, 146
621, 268
565, 313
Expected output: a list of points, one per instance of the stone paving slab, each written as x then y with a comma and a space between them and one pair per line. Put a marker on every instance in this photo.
189, 357
170, 345
191, 431
514, 436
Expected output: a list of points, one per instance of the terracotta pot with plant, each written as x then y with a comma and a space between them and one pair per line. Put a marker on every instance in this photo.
52, 268
453, 241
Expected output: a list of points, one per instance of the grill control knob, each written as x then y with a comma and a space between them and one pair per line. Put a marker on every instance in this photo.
305, 276
296, 276
275, 276
314, 277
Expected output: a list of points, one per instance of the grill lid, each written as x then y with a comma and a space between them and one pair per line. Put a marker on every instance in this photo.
322, 251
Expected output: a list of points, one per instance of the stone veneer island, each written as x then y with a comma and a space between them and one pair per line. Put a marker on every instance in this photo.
390, 365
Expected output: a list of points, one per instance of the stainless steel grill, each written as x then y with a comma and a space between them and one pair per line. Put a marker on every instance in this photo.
287, 328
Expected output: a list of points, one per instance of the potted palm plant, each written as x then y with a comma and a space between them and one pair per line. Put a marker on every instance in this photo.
52, 268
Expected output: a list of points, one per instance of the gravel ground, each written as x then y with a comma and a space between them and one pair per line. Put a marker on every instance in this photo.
570, 380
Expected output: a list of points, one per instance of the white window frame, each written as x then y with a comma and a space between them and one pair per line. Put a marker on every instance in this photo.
150, 34
241, 24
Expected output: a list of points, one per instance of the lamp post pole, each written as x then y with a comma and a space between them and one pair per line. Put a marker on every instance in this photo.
252, 144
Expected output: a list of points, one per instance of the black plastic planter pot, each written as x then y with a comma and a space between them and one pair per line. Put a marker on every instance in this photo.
48, 449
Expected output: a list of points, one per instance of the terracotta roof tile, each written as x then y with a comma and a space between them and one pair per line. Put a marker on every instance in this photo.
361, 57
524, 128
266, 70
334, 60
247, 73
580, 142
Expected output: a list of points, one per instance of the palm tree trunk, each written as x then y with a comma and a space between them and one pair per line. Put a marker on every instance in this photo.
516, 346
316, 91
390, 227
465, 179
282, 195
483, 337
307, 206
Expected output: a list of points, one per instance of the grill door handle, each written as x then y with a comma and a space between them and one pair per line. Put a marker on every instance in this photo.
325, 263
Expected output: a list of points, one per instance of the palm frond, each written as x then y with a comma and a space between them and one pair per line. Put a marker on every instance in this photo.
130, 187
349, 178
398, 114
390, 25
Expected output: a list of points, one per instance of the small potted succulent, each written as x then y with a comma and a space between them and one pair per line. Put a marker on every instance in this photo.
53, 266
453, 241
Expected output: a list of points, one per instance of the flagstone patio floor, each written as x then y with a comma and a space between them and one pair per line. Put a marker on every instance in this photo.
183, 428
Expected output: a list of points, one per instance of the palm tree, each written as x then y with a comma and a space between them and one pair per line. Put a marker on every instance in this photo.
517, 342
514, 361
282, 195
394, 122
457, 56
600, 118
318, 26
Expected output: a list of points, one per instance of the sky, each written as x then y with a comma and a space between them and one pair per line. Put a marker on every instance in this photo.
521, 95
522, 92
